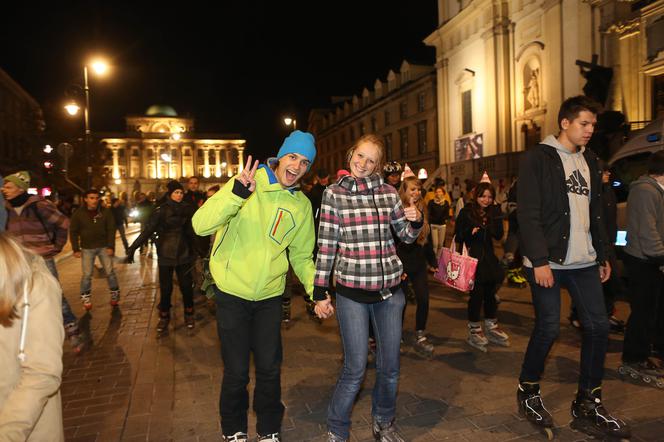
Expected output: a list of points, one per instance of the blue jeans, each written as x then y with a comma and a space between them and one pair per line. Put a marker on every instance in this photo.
353, 318
67, 315
585, 289
87, 264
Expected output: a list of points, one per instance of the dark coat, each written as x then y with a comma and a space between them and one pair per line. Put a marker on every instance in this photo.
480, 244
438, 213
175, 241
544, 213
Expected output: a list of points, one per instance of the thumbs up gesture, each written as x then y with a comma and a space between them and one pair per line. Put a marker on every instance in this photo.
411, 211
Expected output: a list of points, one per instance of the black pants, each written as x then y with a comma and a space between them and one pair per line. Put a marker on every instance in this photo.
185, 281
645, 327
421, 288
483, 294
121, 228
245, 327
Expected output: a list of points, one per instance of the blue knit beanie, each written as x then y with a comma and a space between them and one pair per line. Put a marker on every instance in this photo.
301, 143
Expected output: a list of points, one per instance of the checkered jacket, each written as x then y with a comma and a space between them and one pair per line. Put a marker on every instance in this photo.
355, 219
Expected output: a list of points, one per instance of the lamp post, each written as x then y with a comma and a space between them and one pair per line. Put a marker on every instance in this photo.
99, 67
288, 121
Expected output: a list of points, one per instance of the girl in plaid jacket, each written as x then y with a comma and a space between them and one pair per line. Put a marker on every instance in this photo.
355, 220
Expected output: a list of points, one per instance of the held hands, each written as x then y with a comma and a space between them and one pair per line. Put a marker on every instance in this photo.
130, 256
246, 177
412, 212
324, 308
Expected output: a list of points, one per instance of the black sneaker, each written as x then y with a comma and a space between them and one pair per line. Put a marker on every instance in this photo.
237, 437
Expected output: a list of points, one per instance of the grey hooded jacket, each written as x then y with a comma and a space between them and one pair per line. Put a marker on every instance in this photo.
645, 220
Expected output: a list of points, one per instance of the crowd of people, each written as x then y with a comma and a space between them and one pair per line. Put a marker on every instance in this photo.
359, 243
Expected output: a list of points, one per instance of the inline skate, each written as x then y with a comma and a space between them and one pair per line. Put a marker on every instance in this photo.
532, 408
646, 371
590, 417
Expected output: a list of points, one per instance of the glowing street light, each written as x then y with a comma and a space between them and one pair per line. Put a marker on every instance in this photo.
288, 121
48, 149
99, 66
72, 108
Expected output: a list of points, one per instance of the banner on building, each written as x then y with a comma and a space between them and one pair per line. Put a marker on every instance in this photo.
469, 147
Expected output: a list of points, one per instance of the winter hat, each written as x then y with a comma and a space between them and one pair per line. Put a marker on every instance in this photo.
21, 179
485, 178
172, 186
299, 142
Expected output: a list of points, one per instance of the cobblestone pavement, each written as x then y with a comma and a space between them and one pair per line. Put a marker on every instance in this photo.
130, 385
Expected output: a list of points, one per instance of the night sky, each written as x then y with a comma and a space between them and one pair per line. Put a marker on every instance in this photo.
236, 67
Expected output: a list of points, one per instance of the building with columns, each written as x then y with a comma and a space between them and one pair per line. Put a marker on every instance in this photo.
161, 145
505, 66
401, 110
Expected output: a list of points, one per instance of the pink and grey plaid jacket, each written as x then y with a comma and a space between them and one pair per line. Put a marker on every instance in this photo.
355, 219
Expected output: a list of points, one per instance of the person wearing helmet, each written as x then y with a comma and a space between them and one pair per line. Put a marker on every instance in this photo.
392, 174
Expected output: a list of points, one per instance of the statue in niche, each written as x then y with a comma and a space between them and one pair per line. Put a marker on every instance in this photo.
532, 90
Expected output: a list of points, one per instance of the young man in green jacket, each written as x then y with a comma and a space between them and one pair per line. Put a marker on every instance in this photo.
258, 216
92, 234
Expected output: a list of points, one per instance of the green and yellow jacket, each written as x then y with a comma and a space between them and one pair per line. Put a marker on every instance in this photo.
253, 233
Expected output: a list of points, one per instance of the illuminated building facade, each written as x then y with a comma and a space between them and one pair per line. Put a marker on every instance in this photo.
401, 110
505, 66
161, 145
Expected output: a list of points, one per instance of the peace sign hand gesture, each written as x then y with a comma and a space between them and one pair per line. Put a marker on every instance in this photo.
246, 177
412, 213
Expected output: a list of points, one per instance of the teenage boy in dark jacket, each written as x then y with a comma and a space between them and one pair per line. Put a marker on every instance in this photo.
92, 234
563, 242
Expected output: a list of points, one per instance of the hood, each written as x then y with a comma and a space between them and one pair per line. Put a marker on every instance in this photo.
361, 185
553, 142
646, 179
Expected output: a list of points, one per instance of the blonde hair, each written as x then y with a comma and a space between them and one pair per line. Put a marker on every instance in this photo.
375, 140
405, 200
15, 276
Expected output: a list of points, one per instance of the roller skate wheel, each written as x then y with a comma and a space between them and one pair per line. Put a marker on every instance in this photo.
621, 370
548, 432
647, 379
660, 384
634, 375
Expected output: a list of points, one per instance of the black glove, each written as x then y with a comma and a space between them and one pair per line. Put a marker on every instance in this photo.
130, 256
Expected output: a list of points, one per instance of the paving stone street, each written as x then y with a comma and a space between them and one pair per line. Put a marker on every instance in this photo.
131, 385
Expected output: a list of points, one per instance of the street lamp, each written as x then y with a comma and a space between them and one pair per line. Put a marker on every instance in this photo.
100, 67
288, 121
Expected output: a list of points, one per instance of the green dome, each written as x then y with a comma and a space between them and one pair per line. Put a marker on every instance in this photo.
159, 110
